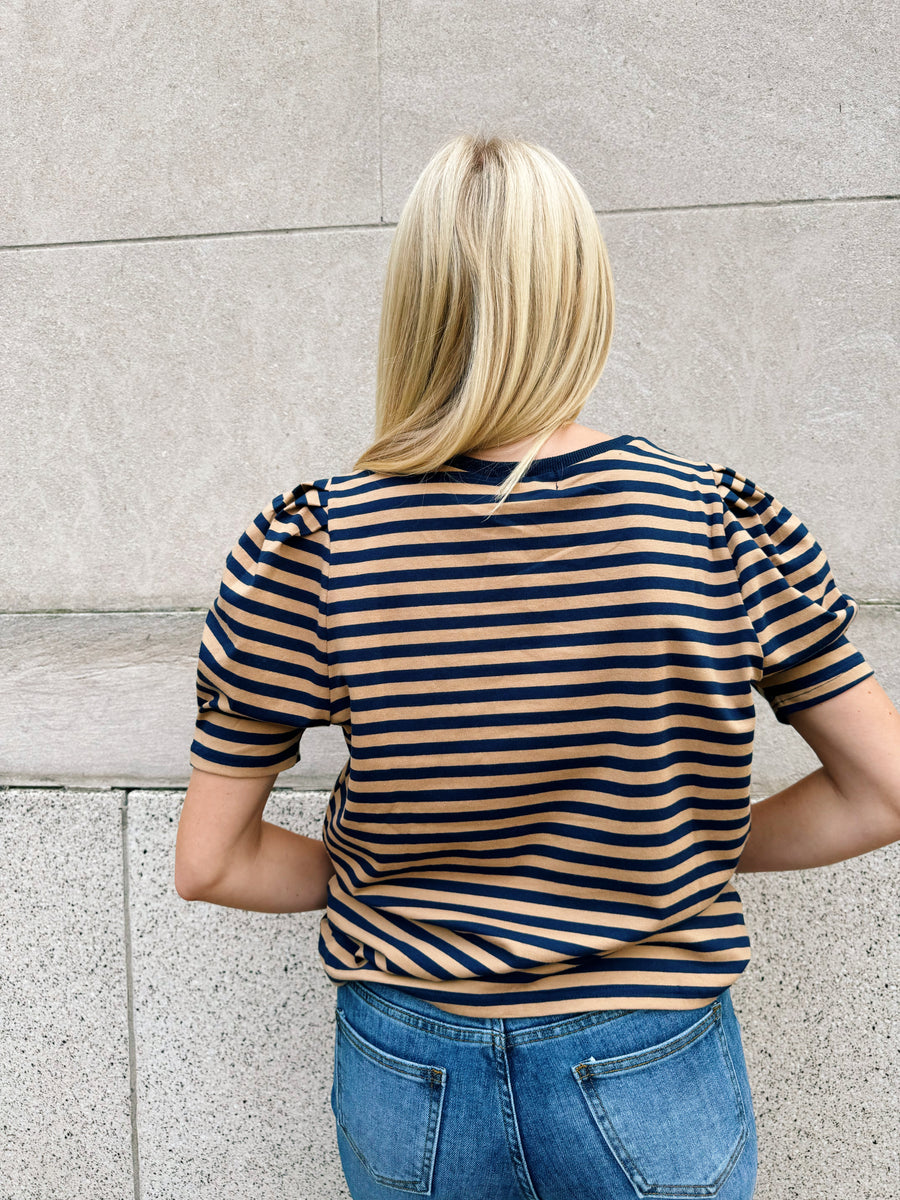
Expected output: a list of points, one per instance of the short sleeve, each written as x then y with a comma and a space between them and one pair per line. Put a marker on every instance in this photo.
262, 674
799, 613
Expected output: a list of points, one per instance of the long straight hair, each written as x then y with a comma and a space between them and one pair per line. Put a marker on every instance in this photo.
498, 309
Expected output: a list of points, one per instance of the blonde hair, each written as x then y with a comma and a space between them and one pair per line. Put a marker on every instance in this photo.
498, 308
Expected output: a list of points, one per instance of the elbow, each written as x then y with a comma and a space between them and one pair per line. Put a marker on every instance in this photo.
189, 883
185, 887
197, 870
892, 803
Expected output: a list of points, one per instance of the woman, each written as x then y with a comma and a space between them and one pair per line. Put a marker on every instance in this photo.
541, 642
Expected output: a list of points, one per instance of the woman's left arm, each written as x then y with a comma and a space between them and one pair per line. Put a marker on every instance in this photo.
225, 853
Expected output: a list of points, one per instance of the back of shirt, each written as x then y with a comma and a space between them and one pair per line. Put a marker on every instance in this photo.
548, 712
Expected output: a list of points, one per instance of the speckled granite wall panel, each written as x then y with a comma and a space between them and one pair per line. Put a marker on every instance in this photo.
65, 1107
234, 1029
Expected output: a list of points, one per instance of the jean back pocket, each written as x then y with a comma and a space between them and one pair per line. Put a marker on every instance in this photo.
672, 1114
388, 1108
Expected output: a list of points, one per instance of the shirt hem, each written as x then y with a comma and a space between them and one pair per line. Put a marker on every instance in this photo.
815, 695
249, 772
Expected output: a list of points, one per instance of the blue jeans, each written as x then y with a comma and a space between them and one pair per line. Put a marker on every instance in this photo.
603, 1105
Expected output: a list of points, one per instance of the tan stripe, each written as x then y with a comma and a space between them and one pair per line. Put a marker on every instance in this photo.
466, 771
670, 636
375, 590
469, 810
607, 681
605, 731
595, 822
532, 531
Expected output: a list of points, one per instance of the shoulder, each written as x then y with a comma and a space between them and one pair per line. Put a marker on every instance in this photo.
731, 488
300, 512
688, 474
747, 504
727, 494
311, 510
303, 508
738, 491
291, 527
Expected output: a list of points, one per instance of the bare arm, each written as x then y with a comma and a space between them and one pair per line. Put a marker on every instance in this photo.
225, 853
851, 804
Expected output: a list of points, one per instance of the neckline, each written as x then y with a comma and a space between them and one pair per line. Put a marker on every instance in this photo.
552, 463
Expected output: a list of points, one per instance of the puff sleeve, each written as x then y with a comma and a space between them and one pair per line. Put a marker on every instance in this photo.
262, 674
799, 614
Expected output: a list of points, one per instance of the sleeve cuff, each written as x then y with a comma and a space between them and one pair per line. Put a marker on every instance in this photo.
227, 744
822, 691
240, 770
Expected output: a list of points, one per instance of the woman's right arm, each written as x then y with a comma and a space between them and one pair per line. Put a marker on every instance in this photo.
851, 804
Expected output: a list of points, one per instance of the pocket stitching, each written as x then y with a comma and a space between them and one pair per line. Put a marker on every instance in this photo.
643, 1058
434, 1076
611, 1135
390, 1061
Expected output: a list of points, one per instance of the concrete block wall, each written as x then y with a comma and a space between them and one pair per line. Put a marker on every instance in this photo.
196, 206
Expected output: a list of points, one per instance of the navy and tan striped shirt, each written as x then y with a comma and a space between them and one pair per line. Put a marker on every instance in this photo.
548, 714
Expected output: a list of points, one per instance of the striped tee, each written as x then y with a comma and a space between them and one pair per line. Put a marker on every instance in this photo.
548, 714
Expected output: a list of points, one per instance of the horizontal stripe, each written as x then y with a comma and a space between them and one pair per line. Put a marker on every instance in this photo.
548, 710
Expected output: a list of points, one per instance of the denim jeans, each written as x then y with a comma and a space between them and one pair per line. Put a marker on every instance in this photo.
603, 1105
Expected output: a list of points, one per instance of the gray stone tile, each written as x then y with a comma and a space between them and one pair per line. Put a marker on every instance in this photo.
156, 396
151, 120
109, 698
234, 1033
819, 1006
65, 1085
153, 414
767, 339
651, 106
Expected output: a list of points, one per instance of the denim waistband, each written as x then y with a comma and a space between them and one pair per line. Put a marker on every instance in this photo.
402, 1005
